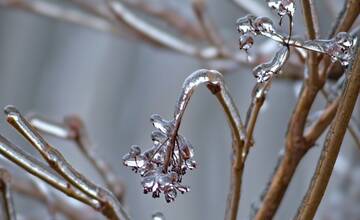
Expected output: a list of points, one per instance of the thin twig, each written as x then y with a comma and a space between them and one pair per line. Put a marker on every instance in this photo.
211, 33
6, 194
170, 16
153, 34
332, 144
58, 204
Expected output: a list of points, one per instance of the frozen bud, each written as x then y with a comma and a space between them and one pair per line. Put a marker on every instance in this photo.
244, 24
264, 24
161, 124
245, 42
283, 7
158, 216
135, 151
341, 48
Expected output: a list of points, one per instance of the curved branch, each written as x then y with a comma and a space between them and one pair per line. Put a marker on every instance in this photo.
215, 83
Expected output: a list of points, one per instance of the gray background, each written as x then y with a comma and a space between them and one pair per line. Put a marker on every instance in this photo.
115, 84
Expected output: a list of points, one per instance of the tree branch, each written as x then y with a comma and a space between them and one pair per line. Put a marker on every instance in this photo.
332, 143
6, 194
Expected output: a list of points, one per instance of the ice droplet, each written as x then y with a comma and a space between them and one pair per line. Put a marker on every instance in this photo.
158, 216
283, 7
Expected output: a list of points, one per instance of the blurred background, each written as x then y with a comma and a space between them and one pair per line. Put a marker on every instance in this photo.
115, 83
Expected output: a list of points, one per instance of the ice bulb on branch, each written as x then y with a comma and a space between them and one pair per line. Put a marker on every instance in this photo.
340, 48
265, 71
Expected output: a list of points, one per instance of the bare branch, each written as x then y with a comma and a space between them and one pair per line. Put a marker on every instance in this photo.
56, 11
169, 15
57, 204
332, 144
6, 194
151, 33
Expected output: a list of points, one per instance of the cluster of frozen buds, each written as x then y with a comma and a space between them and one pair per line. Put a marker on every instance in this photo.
340, 48
150, 164
283, 7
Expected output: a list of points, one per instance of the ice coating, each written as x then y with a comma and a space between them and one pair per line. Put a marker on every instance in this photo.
158, 216
149, 164
265, 71
163, 165
252, 25
283, 7
340, 48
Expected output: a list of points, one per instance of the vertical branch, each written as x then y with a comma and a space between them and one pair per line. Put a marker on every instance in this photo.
312, 29
332, 143
5, 190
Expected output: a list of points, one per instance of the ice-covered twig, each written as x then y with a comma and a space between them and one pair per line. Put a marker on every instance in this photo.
340, 48
107, 202
172, 154
5, 190
74, 129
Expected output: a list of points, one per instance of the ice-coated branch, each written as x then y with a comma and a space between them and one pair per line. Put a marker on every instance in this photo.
340, 48
37, 168
74, 129
163, 165
332, 143
5, 190
108, 204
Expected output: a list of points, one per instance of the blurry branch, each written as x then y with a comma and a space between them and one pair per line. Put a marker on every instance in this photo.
56, 203
170, 16
332, 143
56, 11
6, 195
254, 7
211, 33
346, 17
72, 182
155, 35
74, 129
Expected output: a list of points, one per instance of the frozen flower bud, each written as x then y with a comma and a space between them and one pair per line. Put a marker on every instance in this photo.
246, 41
283, 7
341, 48
264, 25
